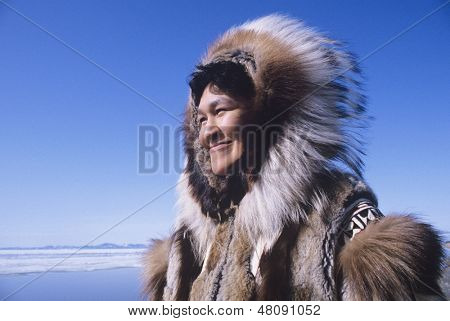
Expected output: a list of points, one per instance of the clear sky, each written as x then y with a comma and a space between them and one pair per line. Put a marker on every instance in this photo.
69, 131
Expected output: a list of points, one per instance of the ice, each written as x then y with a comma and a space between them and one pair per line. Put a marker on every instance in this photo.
42, 260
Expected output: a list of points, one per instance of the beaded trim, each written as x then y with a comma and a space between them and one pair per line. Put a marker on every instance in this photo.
363, 213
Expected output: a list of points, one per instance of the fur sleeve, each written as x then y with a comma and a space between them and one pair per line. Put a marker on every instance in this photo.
155, 268
395, 258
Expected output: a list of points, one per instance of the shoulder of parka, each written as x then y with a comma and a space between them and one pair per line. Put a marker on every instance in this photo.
396, 258
155, 262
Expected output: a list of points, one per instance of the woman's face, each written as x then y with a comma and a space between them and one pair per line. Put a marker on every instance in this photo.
221, 117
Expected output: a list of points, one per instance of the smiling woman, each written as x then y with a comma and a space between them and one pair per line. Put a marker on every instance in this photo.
220, 120
224, 95
296, 220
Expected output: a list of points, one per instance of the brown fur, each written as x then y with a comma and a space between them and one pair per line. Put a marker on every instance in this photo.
238, 283
205, 286
275, 267
155, 269
396, 258
189, 265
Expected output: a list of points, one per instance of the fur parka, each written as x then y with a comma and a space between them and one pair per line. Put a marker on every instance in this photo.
294, 230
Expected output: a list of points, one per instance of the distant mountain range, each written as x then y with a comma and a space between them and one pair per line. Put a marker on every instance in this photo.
98, 246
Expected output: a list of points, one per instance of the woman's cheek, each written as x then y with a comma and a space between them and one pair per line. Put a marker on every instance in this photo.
232, 123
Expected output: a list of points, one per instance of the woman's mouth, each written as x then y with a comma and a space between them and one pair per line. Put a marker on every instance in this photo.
219, 146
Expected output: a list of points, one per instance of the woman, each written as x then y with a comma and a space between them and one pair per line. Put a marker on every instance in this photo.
272, 204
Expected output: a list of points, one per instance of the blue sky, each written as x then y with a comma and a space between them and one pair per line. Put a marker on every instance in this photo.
69, 132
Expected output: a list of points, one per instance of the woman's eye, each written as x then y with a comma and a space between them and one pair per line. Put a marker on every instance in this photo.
220, 110
201, 120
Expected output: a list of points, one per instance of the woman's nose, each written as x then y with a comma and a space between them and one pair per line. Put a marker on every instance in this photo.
211, 134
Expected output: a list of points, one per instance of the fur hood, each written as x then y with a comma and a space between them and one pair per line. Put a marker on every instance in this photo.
293, 209
302, 94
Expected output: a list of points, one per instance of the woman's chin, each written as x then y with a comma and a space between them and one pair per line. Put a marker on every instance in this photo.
222, 169
219, 171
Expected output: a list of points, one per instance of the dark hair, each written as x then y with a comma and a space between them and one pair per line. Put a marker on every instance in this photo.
230, 77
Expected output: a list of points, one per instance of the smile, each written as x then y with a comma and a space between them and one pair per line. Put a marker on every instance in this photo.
219, 146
